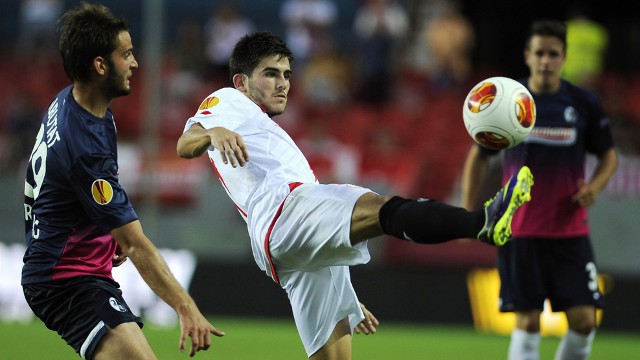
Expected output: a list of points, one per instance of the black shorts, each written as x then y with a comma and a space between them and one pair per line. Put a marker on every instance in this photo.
535, 269
80, 309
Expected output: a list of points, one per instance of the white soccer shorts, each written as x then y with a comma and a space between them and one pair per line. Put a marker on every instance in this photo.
312, 252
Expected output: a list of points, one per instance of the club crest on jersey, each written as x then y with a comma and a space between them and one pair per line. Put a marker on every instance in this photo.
208, 103
115, 304
101, 191
570, 115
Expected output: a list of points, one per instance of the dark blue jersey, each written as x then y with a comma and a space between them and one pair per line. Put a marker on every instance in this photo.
73, 198
569, 124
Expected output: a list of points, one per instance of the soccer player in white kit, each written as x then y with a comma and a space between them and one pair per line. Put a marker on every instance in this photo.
304, 234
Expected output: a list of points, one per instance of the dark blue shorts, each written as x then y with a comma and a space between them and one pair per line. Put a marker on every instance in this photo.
80, 309
535, 269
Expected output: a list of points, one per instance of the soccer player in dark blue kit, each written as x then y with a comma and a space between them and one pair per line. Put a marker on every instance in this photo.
550, 256
79, 221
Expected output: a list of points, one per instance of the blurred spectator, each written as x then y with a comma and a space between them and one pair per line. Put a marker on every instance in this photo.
184, 77
309, 27
187, 53
380, 27
326, 80
225, 27
37, 32
587, 42
188, 63
421, 12
450, 38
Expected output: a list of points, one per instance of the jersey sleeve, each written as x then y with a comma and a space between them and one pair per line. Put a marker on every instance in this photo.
220, 109
599, 138
94, 179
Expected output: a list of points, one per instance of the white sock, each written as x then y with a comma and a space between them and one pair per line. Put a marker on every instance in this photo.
524, 345
575, 346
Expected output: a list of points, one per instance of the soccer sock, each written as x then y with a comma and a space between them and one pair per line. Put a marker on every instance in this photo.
524, 345
428, 221
575, 346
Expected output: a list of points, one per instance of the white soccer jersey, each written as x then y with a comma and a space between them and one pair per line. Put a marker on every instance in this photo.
259, 188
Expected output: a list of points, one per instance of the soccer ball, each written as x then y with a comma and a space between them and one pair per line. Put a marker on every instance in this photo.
499, 113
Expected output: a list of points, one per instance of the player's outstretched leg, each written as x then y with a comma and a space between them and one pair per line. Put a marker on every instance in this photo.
499, 211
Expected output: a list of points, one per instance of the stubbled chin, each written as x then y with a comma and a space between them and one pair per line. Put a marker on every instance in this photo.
275, 110
279, 106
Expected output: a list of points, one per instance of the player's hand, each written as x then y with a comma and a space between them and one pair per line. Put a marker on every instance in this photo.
195, 326
231, 146
369, 324
118, 257
585, 196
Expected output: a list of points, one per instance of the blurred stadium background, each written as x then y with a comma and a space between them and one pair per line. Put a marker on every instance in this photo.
380, 111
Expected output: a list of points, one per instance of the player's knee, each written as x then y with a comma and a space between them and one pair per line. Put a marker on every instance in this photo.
529, 321
581, 319
583, 326
338, 346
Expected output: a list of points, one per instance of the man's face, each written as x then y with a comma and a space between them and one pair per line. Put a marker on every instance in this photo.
545, 58
269, 84
121, 64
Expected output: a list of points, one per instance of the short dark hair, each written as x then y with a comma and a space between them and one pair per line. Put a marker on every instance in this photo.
86, 32
548, 27
254, 47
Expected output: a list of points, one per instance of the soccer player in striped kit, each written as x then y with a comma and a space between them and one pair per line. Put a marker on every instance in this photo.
79, 222
551, 255
304, 234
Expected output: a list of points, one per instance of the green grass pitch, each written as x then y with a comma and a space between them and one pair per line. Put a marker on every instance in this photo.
277, 339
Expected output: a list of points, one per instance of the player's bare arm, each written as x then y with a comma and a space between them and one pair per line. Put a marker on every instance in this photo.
588, 191
195, 141
474, 173
155, 272
118, 258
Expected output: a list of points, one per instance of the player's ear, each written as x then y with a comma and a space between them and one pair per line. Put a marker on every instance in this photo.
240, 81
99, 65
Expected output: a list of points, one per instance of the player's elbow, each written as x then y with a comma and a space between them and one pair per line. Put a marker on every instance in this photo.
184, 154
193, 143
185, 151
